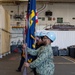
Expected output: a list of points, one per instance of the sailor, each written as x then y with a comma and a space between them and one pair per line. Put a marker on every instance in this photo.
44, 63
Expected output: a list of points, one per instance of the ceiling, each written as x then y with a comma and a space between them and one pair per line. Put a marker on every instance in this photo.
11, 2
39, 1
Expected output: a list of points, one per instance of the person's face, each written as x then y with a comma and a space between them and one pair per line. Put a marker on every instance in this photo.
37, 38
39, 41
46, 40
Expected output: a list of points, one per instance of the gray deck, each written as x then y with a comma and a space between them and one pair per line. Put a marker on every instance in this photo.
63, 65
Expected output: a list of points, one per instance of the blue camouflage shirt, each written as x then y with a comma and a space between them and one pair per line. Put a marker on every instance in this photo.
44, 63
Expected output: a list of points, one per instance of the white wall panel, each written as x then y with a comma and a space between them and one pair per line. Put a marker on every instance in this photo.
64, 39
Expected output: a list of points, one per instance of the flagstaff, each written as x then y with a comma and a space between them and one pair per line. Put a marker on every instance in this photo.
30, 30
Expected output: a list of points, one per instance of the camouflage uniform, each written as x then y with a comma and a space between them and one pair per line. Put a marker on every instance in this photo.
44, 63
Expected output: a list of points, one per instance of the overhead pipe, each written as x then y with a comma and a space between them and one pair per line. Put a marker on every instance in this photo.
41, 9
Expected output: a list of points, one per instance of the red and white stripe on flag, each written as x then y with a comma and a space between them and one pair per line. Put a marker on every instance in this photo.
36, 17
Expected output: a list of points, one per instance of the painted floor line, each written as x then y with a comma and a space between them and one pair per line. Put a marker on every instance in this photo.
63, 63
68, 59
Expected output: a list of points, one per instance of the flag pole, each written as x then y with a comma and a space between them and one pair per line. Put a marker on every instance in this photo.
24, 38
30, 23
